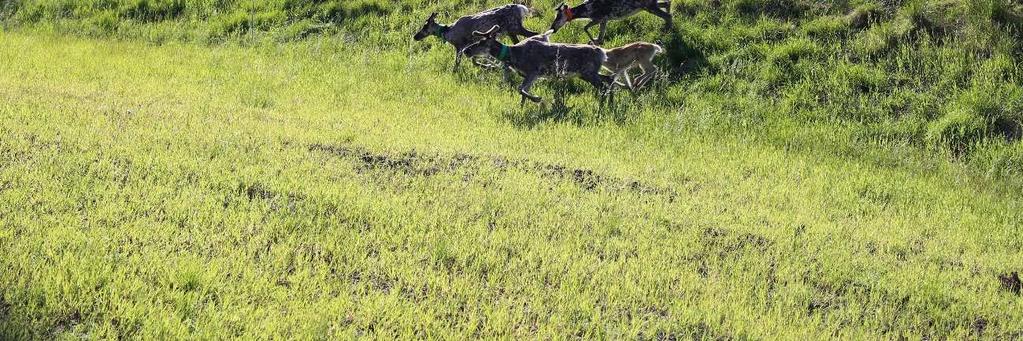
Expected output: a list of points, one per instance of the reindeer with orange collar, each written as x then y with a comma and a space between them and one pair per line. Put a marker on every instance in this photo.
601, 11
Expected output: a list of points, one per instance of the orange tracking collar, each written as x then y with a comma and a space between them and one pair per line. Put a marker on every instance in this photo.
568, 14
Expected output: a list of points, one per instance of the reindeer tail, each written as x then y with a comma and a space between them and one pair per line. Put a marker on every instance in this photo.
526, 11
657, 49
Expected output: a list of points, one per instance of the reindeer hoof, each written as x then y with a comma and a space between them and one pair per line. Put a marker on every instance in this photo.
536, 99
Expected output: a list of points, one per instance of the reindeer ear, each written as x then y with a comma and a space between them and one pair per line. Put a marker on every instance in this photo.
432, 17
560, 6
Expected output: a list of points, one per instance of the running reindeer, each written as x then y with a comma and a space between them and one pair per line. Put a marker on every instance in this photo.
534, 58
459, 34
601, 11
640, 55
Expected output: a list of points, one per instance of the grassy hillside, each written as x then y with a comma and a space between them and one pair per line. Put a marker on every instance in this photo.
940, 76
252, 169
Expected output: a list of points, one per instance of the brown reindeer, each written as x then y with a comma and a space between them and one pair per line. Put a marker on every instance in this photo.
459, 34
636, 55
534, 58
601, 11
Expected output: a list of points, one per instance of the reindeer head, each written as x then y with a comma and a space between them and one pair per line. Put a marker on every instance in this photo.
563, 17
488, 42
431, 27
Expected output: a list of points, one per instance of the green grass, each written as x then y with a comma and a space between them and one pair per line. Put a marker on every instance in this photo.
795, 175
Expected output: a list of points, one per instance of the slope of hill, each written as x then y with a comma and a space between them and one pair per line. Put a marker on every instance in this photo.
941, 76
174, 169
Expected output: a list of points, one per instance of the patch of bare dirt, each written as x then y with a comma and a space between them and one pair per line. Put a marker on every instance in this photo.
418, 164
5, 308
1011, 282
256, 191
65, 323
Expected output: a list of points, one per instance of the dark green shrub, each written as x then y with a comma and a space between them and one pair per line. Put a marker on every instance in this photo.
863, 16
244, 21
826, 26
785, 9
153, 10
986, 110
958, 130
107, 21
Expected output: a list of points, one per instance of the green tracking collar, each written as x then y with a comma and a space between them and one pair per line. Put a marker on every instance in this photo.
441, 32
503, 55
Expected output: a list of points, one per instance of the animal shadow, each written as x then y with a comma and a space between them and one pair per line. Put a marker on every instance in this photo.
552, 109
683, 57
555, 109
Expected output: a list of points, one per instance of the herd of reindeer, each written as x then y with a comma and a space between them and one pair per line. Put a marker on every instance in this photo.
477, 35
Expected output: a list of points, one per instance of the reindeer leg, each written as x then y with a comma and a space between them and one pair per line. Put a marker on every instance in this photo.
628, 80
649, 71
507, 75
613, 74
587, 30
458, 59
641, 80
610, 85
476, 60
602, 83
656, 10
523, 31
524, 90
603, 29
617, 79
489, 63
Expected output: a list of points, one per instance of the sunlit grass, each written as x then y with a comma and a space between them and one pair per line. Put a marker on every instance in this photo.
311, 190
802, 169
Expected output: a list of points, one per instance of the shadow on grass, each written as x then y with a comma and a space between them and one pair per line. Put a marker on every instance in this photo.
470, 73
555, 109
11, 328
683, 57
339, 12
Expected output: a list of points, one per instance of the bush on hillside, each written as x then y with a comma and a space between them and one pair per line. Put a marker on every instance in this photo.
986, 110
153, 10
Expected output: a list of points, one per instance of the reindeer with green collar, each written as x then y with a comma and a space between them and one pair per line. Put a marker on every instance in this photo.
536, 57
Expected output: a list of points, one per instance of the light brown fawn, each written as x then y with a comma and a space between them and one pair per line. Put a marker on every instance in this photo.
636, 55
